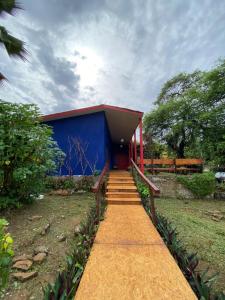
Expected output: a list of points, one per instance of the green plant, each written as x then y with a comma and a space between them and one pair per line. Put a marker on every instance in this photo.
200, 185
68, 182
143, 190
68, 280
27, 151
96, 172
6, 253
13, 46
85, 183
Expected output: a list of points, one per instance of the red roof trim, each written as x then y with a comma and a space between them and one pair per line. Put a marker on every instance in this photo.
70, 113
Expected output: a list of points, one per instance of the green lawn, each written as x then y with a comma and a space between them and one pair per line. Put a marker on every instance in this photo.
199, 232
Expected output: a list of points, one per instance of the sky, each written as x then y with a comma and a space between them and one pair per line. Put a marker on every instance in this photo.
121, 52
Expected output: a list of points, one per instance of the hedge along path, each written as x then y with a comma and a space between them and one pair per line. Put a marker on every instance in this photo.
129, 259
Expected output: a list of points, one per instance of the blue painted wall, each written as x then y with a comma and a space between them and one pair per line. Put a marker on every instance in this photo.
91, 132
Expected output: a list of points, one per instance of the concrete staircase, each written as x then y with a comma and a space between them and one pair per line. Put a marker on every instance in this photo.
121, 189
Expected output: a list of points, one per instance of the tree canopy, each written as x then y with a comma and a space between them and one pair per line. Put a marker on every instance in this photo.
189, 116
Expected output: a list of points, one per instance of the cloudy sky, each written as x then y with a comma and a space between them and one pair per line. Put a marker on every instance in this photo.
120, 52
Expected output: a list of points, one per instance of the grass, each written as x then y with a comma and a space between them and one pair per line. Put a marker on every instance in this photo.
199, 232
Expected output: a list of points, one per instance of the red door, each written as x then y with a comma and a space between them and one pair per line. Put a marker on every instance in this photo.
121, 161
121, 158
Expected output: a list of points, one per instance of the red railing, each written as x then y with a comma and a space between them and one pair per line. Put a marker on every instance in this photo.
153, 190
97, 188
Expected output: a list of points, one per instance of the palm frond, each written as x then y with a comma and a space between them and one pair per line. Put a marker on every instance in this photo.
13, 46
2, 78
9, 6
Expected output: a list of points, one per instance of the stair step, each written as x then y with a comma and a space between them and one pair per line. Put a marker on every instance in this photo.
119, 188
121, 183
127, 195
121, 177
120, 174
119, 171
119, 201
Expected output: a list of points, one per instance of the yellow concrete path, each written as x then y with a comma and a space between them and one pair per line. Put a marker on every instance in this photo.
129, 260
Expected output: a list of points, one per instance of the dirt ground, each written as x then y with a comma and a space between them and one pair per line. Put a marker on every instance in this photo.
63, 213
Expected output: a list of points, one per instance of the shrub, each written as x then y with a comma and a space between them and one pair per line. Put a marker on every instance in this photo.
143, 190
85, 183
27, 151
200, 185
62, 182
6, 253
69, 183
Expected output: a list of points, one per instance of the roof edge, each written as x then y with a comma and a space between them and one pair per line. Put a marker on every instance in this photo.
74, 112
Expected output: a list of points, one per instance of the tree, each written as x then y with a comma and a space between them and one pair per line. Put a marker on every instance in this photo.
192, 121
171, 123
27, 151
177, 86
13, 46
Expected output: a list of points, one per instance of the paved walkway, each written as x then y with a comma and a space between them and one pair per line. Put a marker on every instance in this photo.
129, 260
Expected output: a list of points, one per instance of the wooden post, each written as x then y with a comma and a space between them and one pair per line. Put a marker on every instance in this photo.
129, 155
141, 148
135, 148
152, 167
97, 199
131, 145
152, 208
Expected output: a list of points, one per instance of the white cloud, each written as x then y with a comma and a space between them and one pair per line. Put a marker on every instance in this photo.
90, 52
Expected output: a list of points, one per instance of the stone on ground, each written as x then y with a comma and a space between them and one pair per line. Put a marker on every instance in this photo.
45, 229
41, 249
22, 257
34, 218
61, 237
23, 265
21, 276
39, 258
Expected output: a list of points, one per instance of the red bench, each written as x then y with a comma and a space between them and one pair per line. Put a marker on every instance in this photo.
188, 164
184, 165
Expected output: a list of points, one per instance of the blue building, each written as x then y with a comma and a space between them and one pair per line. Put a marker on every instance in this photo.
92, 136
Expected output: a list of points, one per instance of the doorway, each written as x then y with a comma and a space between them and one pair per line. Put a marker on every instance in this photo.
120, 157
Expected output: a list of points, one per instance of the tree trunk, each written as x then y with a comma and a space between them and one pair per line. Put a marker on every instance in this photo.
180, 150
7, 179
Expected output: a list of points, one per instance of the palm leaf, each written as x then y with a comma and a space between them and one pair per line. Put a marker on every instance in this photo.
13, 46
2, 78
9, 6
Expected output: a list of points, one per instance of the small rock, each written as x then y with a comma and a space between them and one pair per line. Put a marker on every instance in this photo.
23, 265
77, 229
46, 229
22, 257
63, 217
41, 249
21, 276
34, 218
80, 191
39, 258
61, 237
215, 219
215, 215
61, 192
